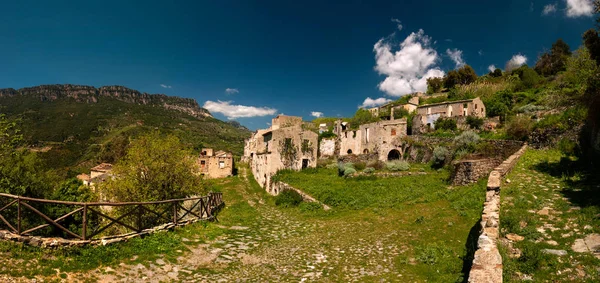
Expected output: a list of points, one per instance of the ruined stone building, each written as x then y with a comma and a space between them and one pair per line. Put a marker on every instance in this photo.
458, 110
375, 138
410, 106
285, 145
97, 175
215, 164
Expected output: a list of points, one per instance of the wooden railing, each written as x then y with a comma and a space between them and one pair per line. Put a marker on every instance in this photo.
86, 220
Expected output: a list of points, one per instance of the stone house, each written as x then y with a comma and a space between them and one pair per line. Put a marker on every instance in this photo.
215, 164
378, 137
410, 106
285, 145
458, 110
98, 174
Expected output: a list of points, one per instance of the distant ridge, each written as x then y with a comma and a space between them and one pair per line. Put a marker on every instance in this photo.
90, 94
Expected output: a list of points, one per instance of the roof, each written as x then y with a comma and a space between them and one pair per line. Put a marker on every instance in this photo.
83, 177
103, 167
447, 102
220, 153
322, 125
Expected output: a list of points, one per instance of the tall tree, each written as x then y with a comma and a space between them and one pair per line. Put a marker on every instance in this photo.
434, 84
451, 79
467, 75
591, 40
552, 62
154, 168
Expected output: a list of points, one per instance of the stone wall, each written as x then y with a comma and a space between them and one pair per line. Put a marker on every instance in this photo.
487, 262
327, 147
278, 187
471, 170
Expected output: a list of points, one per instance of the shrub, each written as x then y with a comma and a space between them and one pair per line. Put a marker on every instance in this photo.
474, 122
439, 156
567, 147
519, 128
369, 170
331, 166
445, 124
309, 207
398, 165
343, 166
359, 166
378, 165
349, 171
288, 198
467, 141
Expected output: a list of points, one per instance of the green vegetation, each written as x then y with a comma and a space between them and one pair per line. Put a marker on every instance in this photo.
70, 137
397, 165
551, 201
154, 168
288, 198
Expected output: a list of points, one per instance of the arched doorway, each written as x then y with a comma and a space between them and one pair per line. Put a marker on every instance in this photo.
349, 151
366, 151
394, 155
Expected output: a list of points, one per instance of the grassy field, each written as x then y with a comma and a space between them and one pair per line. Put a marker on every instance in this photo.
410, 229
551, 202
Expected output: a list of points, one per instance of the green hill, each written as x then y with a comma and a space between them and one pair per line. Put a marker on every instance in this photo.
75, 127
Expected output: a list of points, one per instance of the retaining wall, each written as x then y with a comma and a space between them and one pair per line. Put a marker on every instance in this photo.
487, 262
471, 170
279, 187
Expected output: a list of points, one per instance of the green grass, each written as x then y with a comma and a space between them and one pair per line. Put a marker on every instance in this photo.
434, 221
546, 178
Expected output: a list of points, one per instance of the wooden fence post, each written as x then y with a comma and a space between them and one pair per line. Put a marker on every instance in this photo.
139, 218
19, 215
84, 228
175, 212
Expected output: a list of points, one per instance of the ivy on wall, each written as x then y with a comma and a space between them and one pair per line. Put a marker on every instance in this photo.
288, 152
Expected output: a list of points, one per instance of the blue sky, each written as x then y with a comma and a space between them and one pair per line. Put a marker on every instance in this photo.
291, 57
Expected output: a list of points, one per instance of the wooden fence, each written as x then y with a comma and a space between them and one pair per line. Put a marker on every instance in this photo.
85, 220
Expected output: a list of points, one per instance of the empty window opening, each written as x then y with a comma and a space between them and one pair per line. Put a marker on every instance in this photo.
393, 132
221, 164
365, 151
349, 151
304, 163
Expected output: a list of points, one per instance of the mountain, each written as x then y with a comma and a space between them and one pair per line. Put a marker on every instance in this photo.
73, 127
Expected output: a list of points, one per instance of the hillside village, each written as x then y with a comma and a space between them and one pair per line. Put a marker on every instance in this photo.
450, 175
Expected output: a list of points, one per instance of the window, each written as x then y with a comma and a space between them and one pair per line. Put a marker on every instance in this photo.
475, 106
221, 164
393, 132
202, 164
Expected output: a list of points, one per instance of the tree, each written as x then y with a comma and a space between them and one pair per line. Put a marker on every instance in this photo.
496, 73
434, 84
591, 40
155, 168
554, 61
451, 79
467, 75
361, 117
581, 68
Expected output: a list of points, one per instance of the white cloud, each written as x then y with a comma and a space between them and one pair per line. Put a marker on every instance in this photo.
515, 62
549, 9
237, 111
407, 69
577, 8
369, 102
492, 67
398, 23
456, 56
316, 114
165, 86
231, 90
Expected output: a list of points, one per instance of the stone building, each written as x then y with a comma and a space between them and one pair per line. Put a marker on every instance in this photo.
97, 175
285, 145
410, 106
458, 110
215, 164
379, 137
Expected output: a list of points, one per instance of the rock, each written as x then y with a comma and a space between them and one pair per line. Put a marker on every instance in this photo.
592, 241
555, 252
544, 211
579, 246
515, 237
552, 243
160, 261
239, 228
